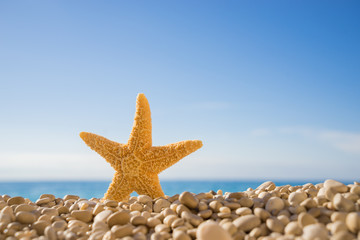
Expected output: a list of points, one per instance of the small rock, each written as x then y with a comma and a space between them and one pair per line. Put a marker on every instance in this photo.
210, 230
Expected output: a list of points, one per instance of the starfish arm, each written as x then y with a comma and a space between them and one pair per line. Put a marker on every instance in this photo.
149, 184
110, 150
119, 189
140, 137
160, 158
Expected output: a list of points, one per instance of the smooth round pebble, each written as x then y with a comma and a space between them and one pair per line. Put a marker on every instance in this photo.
210, 230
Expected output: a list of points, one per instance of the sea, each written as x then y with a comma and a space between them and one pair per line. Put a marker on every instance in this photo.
96, 189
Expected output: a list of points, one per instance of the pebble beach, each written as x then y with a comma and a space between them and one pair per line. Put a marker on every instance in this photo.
329, 210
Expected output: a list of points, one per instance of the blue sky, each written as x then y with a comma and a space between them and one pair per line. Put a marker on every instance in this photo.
270, 87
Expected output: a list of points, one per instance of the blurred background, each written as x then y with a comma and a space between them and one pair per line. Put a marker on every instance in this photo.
271, 88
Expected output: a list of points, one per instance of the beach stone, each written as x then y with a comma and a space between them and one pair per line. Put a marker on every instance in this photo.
40, 226
295, 198
15, 200
343, 235
188, 200
59, 225
343, 204
51, 196
144, 199
102, 216
261, 213
138, 220
305, 219
68, 197
25, 217
50, 233
122, 231
236, 195
160, 204
152, 222
82, 215
118, 218
210, 230
315, 232
335, 185
267, 186
275, 225
25, 207
338, 226
293, 228
353, 222
247, 222
274, 204
180, 235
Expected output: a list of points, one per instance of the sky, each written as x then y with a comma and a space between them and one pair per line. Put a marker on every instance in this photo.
272, 88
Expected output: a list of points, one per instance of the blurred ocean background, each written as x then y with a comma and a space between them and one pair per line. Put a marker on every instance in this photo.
90, 189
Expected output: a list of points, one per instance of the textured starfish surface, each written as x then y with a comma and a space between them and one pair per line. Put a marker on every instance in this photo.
137, 163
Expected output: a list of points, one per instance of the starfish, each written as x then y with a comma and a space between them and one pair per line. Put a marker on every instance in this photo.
137, 163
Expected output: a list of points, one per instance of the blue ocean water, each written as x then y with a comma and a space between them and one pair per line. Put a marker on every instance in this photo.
89, 189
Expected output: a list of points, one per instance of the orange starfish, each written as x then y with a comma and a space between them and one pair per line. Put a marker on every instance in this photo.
137, 163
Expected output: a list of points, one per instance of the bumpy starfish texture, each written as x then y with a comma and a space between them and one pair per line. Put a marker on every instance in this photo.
137, 163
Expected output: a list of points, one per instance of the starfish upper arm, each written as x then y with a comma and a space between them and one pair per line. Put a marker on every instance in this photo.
160, 158
108, 149
140, 137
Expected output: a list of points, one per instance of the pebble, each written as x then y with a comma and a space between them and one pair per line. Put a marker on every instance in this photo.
295, 198
25, 217
188, 200
211, 230
353, 222
274, 203
335, 185
15, 200
118, 218
305, 219
247, 222
315, 232
82, 215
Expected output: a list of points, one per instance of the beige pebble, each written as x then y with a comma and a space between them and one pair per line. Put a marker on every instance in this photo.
15, 200
229, 227
353, 222
59, 225
144, 199
102, 216
62, 210
338, 216
50, 211
50, 233
138, 220
111, 203
355, 189
267, 186
42, 201
246, 202
261, 213
51, 196
284, 219
162, 228
122, 231
68, 197
168, 220
274, 204
305, 219
188, 200
338, 226
152, 222
160, 204
215, 206
335, 185
40, 226
193, 219
118, 218
343, 204
247, 222
6, 216
205, 214
25, 217
293, 228
315, 232
308, 203
243, 211
343, 235
82, 215
224, 210
24, 207
210, 230
180, 235
275, 225
136, 207
236, 195
295, 198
